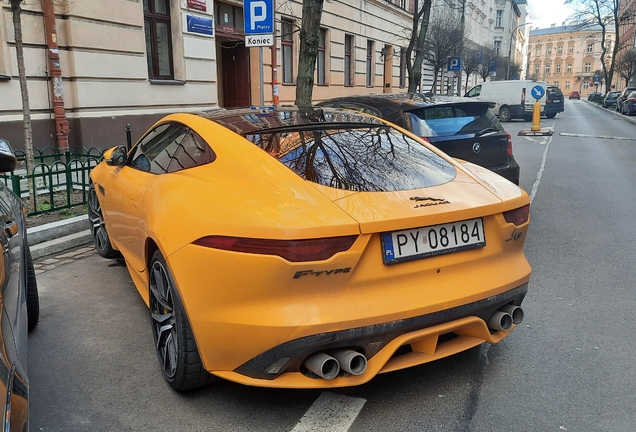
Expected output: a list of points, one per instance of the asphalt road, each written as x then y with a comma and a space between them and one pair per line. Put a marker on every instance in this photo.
568, 366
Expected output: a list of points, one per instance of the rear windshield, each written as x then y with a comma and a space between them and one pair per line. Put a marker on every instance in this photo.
366, 158
554, 93
447, 120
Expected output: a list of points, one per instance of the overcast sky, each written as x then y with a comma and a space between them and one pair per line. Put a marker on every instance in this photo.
544, 13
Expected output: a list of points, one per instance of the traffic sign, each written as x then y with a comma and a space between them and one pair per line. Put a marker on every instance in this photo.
454, 64
258, 16
492, 66
537, 92
259, 40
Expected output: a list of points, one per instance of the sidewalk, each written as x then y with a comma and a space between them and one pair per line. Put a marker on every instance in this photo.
57, 237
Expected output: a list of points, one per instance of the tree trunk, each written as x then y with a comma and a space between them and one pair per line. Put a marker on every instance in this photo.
26, 111
416, 44
309, 39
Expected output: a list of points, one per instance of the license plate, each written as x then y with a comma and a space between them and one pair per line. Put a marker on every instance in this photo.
557, 100
416, 243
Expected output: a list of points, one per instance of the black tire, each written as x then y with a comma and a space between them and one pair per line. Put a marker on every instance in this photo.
504, 114
551, 115
32, 297
176, 348
98, 228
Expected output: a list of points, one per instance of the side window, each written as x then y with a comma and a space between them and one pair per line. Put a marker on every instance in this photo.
170, 147
474, 92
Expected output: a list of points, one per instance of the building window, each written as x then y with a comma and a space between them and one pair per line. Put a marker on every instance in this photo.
348, 66
287, 46
556, 84
569, 68
590, 47
548, 51
560, 50
369, 63
567, 85
158, 40
536, 69
499, 18
538, 52
498, 47
588, 67
558, 68
321, 58
402, 67
547, 69
570, 49
586, 85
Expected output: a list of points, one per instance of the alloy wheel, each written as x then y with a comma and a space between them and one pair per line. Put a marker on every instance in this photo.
164, 325
98, 230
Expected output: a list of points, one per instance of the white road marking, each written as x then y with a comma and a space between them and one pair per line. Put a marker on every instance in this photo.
330, 413
596, 136
535, 186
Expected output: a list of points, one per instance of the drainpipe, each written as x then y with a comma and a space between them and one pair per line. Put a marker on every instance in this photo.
55, 72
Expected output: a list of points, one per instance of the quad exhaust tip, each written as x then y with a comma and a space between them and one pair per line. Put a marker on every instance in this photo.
329, 366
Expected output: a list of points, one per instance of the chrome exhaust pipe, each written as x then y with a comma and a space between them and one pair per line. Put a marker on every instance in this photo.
515, 312
350, 361
500, 321
322, 365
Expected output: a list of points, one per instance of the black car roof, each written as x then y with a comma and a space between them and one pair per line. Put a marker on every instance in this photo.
414, 99
251, 120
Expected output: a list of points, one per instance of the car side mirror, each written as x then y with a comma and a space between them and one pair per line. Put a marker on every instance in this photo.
8, 161
118, 157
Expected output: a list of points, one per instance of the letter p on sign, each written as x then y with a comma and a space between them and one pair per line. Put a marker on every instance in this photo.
258, 13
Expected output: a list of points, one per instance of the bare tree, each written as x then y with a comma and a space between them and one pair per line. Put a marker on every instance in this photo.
16, 11
625, 65
489, 55
415, 49
309, 40
609, 16
444, 39
471, 63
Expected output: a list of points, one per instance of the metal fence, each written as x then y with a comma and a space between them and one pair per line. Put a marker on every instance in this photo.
60, 180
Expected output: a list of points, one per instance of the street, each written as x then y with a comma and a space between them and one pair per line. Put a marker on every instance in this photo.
568, 366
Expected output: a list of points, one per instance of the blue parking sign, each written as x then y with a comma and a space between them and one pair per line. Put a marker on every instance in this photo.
258, 16
454, 64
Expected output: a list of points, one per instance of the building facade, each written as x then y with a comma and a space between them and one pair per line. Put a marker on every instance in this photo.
132, 61
568, 57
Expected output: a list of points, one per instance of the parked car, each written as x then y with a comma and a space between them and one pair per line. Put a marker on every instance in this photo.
575, 95
308, 248
461, 127
621, 97
512, 98
554, 103
610, 98
629, 104
20, 302
595, 97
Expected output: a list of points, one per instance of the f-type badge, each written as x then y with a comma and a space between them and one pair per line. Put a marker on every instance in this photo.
434, 201
476, 147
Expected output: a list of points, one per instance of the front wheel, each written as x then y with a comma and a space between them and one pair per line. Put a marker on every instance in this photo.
98, 227
504, 114
176, 348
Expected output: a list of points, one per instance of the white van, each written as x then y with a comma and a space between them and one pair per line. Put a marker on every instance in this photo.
512, 98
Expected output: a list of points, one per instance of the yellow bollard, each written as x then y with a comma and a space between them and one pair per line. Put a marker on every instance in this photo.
536, 116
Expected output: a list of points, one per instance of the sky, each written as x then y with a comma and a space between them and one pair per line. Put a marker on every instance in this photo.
544, 13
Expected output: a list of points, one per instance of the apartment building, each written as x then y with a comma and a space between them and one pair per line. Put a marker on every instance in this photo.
568, 56
132, 61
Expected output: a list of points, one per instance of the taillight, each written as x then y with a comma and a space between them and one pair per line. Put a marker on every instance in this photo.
291, 250
523, 96
509, 145
518, 216
425, 139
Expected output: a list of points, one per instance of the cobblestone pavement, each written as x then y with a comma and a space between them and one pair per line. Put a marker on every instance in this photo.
50, 262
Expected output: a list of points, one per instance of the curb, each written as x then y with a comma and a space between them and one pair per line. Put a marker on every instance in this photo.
59, 236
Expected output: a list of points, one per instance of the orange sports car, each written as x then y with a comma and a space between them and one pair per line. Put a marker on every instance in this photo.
308, 248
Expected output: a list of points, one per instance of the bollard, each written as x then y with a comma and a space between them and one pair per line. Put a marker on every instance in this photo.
536, 116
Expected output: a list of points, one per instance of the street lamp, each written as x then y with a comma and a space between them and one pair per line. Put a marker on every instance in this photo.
510, 49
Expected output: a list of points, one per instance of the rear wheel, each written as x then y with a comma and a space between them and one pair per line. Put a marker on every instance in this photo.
32, 297
98, 228
176, 348
504, 114
551, 115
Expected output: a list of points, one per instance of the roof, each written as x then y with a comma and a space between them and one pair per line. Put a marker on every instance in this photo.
568, 28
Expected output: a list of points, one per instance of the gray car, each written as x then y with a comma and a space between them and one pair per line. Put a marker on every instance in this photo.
610, 98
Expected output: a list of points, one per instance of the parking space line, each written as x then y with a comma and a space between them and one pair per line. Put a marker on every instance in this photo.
330, 413
578, 135
535, 186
